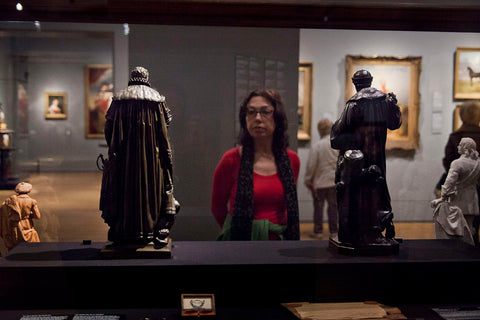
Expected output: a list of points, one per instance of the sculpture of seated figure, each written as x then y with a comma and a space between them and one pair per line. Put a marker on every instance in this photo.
16, 217
362, 193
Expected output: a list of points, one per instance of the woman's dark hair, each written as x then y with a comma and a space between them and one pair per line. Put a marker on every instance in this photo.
280, 135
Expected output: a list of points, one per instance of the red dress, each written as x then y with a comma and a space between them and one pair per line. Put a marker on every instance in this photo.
268, 199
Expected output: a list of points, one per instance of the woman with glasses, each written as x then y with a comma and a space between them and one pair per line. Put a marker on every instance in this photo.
254, 194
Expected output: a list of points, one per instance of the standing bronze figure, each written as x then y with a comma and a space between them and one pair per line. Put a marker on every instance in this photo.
362, 194
137, 199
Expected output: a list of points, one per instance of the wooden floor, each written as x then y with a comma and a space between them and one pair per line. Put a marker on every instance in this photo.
68, 204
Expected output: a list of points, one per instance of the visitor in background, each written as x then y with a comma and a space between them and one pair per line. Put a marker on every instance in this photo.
320, 180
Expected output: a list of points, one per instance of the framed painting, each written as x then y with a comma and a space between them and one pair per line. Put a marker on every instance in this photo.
467, 74
98, 96
305, 87
400, 75
22, 108
55, 105
457, 121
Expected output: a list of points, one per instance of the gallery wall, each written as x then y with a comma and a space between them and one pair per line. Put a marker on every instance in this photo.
201, 72
411, 176
53, 60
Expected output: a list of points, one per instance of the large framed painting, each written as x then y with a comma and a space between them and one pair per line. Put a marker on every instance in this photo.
55, 105
98, 96
305, 86
400, 75
467, 74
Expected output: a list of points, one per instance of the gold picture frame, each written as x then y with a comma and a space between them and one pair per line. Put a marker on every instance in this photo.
55, 105
466, 84
198, 304
305, 87
98, 96
457, 121
401, 75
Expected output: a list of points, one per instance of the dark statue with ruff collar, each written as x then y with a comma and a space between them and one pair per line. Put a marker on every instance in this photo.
137, 199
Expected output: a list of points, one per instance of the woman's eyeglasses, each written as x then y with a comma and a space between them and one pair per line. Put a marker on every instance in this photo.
264, 113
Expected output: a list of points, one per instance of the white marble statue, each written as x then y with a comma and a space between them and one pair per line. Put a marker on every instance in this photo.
455, 210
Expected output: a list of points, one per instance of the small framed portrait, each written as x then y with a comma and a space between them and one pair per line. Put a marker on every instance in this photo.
55, 105
198, 305
467, 74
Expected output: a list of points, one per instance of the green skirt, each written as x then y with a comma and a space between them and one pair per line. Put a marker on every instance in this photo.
260, 229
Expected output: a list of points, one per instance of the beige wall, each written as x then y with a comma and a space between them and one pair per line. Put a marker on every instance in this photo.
411, 177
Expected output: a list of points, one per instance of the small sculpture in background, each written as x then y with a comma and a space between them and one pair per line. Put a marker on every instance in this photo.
456, 209
16, 217
363, 199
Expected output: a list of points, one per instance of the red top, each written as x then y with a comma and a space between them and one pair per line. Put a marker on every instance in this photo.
268, 198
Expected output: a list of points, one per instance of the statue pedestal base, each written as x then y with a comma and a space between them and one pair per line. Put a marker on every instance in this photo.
390, 248
131, 251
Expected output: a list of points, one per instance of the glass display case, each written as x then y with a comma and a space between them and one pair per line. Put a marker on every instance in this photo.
204, 69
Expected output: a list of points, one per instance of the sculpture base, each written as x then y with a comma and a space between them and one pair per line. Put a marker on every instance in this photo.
390, 248
130, 251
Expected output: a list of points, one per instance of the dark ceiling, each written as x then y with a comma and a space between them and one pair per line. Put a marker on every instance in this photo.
419, 15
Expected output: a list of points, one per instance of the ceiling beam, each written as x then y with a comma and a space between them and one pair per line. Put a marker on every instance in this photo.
413, 15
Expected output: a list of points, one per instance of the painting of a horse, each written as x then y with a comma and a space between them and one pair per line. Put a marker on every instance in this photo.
467, 74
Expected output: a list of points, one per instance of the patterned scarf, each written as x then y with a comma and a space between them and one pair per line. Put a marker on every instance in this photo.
243, 210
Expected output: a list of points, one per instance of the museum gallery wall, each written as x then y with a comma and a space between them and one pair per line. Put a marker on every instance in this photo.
201, 74
48, 71
411, 174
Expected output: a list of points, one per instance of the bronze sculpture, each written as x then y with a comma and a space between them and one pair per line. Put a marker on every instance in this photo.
362, 194
16, 217
137, 199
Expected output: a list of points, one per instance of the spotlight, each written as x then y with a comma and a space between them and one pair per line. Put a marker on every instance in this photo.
126, 29
19, 6
37, 25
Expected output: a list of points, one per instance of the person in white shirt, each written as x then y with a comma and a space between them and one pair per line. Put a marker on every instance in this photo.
320, 180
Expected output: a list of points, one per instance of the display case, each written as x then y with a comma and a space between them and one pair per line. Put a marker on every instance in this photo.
184, 48
241, 275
